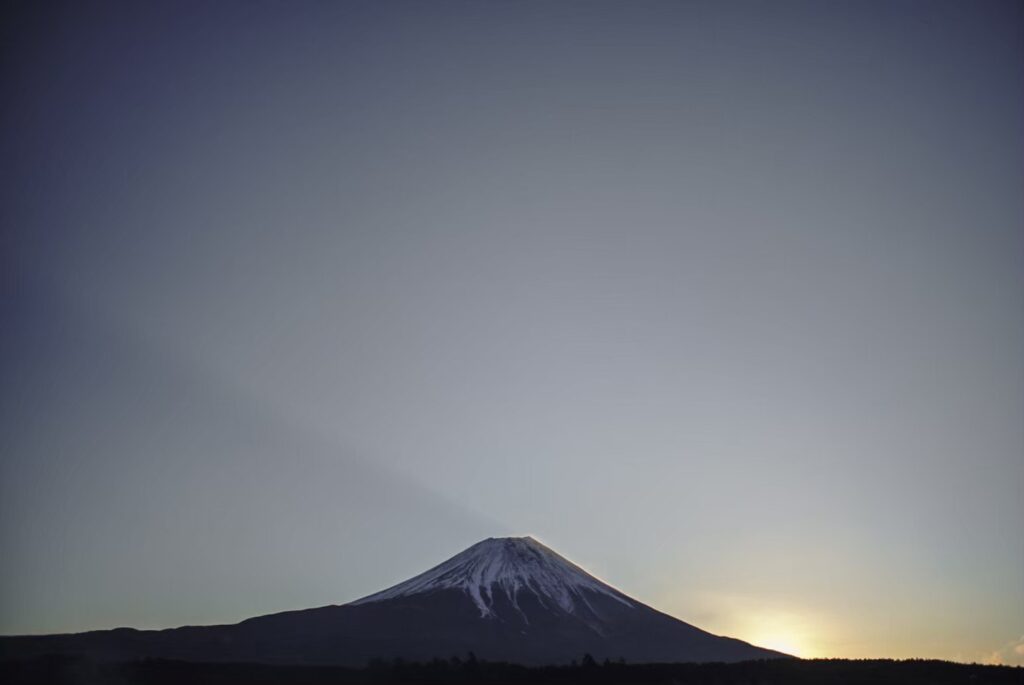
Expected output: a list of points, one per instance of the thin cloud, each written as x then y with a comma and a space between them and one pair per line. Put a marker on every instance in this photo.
1011, 654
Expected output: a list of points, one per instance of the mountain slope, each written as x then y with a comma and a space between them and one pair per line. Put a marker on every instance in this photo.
509, 599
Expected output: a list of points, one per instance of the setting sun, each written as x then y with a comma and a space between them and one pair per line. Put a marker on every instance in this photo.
792, 630
782, 631
788, 644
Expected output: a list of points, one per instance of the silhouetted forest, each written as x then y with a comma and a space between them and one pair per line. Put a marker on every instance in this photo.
61, 670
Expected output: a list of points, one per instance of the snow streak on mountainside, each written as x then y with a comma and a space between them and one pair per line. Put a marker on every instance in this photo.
509, 566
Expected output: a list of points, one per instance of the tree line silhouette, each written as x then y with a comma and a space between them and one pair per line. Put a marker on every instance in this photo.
66, 670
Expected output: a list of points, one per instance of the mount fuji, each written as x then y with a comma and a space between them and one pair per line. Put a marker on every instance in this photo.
504, 599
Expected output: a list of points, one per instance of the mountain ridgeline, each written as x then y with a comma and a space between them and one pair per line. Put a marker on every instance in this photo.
503, 599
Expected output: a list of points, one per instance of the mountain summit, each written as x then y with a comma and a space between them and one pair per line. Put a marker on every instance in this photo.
504, 599
509, 566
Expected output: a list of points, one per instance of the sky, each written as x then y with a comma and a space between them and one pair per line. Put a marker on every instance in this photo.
724, 301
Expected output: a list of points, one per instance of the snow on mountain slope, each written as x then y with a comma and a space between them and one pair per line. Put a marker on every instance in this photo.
510, 566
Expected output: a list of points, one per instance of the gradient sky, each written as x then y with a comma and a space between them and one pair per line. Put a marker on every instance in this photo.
722, 300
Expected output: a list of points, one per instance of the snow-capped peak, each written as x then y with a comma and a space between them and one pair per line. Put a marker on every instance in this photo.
508, 565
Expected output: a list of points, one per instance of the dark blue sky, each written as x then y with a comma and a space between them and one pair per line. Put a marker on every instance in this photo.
722, 300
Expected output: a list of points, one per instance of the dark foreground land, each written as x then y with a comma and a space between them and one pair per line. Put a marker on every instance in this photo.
59, 670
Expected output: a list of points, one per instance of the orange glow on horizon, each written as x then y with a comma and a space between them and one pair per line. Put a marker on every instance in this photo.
773, 625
